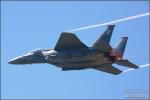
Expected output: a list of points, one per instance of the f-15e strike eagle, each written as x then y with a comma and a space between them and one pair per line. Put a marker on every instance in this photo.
71, 54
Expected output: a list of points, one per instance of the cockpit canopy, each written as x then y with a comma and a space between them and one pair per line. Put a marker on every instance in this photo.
43, 52
35, 50
39, 50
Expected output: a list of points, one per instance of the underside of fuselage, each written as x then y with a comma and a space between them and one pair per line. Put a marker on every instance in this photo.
80, 60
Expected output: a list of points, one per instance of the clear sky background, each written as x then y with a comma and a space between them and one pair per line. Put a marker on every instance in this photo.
30, 25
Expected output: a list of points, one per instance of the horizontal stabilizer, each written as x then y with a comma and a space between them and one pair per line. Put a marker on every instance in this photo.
109, 69
126, 63
69, 41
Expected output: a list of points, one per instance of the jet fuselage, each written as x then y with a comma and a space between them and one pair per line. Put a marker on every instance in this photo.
67, 60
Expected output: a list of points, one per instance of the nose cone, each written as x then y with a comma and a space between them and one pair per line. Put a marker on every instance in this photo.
29, 58
17, 60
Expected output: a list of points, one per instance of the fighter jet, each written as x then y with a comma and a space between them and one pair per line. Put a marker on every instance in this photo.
72, 54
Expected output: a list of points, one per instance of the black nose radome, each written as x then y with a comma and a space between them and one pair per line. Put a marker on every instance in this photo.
13, 61
17, 60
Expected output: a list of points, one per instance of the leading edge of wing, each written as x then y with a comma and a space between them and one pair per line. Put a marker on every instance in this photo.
69, 41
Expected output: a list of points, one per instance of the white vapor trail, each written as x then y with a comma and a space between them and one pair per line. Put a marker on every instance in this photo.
142, 66
111, 22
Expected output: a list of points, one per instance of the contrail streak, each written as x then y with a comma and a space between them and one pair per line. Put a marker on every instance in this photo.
111, 22
142, 66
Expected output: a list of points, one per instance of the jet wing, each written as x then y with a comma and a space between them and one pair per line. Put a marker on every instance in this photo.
68, 41
109, 69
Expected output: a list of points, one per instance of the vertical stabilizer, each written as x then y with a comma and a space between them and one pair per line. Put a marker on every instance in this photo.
102, 42
120, 47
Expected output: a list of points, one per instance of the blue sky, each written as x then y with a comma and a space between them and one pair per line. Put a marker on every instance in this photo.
30, 25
